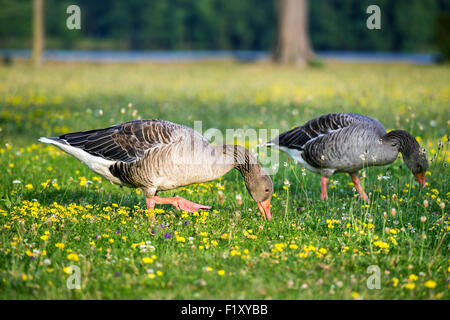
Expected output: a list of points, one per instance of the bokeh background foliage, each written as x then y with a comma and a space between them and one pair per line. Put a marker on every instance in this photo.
223, 25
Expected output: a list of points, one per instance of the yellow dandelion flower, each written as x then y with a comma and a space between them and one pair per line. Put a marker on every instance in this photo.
67, 270
180, 239
410, 286
413, 277
225, 236
60, 245
147, 260
430, 284
395, 282
73, 256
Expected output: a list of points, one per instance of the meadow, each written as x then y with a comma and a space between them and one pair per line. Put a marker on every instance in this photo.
56, 215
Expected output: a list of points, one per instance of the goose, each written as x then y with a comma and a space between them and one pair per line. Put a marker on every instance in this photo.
156, 155
348, 142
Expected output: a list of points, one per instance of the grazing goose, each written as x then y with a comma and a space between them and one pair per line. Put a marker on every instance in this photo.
156, 155
348, 142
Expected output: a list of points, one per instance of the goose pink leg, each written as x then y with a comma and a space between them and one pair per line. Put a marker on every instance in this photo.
177, 202
358, 187
323, 187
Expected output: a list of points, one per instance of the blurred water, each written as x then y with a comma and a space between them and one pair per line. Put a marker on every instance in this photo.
191, 56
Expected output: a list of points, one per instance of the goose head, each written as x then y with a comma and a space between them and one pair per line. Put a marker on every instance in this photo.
256, 179
417, 162
260, 187
413, 155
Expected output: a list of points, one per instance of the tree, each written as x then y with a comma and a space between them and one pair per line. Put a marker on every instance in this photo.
38, 31
293, 44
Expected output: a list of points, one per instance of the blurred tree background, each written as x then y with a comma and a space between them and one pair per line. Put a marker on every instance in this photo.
407, 25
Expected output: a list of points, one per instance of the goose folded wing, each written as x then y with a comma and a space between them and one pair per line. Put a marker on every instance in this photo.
298, 137
125, 142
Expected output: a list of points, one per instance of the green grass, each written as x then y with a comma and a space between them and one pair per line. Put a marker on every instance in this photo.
310, 250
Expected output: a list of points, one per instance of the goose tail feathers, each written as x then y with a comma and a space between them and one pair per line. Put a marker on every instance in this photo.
52, 140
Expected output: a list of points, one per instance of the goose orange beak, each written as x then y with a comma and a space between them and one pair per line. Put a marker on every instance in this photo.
421, 178
264, 208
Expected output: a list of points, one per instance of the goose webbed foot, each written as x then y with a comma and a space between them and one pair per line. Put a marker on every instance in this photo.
186, 205
358, 187
178, 202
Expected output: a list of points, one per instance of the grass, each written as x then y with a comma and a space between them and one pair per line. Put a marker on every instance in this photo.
55, 213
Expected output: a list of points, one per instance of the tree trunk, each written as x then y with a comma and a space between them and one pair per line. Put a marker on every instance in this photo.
293, 45
38, 31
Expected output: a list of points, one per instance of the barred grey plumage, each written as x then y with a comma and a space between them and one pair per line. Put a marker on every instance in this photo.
348, 142
156, 155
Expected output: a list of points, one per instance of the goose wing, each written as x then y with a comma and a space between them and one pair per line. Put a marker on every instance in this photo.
124, 142
298, 137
